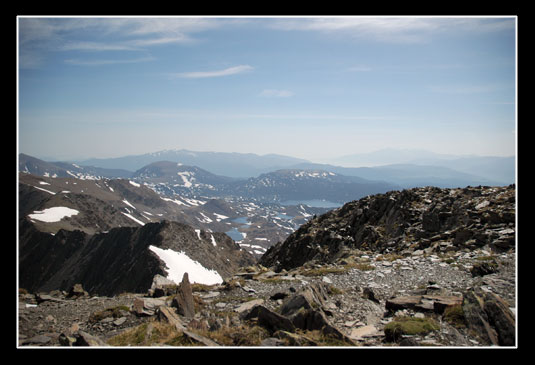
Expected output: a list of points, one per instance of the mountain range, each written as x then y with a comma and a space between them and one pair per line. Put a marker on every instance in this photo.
404, 168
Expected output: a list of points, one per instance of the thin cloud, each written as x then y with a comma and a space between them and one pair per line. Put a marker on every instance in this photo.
404, 29
101, 62
218, 73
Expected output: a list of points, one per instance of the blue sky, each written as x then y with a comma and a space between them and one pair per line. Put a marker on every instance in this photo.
309, 87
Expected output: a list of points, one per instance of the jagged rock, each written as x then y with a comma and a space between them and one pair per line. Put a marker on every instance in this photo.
477, 319
313, 296
183, 299
85, 339
269, 319
314, 319
500, 318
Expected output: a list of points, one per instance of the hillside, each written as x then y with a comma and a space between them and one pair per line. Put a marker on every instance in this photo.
123, 259
420, 267
404, 222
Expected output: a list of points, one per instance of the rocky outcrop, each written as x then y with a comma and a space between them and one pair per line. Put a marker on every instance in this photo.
120, 260
415, 220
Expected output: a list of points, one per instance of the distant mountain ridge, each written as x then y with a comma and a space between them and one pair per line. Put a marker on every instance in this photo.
497, 169
240, 165
413, 167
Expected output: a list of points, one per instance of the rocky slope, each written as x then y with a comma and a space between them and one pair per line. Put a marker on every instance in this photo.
419, 219
122, 260
424, 267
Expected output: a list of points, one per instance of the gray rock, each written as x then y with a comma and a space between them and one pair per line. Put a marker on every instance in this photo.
183, 299
269, 319
147, 306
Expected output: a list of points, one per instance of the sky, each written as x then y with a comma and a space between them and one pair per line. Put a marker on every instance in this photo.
309, 87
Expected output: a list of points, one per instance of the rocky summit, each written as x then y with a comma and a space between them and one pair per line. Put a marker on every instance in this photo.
413, 221
420, 267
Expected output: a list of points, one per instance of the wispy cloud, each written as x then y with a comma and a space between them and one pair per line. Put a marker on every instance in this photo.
404, 29
217, 73
97, 47
273, 93
40, 36
100, 62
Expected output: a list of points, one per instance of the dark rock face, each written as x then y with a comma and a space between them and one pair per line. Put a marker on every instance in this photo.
403, 222
117, 261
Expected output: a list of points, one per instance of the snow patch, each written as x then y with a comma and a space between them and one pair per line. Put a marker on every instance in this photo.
213, 241
178, 202
179, 263
48, 191
220, 217
134, 219
134, 183
198, 231
127, 203
184, 175
54, 214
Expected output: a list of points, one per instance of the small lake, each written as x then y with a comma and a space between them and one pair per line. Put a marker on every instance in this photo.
235, 234
242, 220
284, 216
318, 203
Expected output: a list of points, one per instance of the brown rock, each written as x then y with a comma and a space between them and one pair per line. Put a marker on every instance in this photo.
166, 314
183, 299
269, 319
406, 302
501, 318
477, 319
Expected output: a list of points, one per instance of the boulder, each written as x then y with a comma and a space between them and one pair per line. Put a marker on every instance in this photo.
270, 320
147, 306
77, 291
161, 286
313, 296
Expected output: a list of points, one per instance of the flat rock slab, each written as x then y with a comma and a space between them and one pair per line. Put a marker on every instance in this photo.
436, 303
365, 331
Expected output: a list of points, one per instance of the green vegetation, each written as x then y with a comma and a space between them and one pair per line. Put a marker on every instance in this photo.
409, 326
455, 316
114, 312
